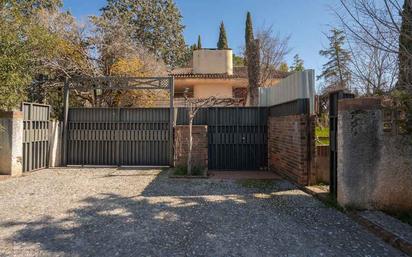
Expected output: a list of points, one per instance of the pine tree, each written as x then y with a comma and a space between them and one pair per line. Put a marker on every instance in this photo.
336, 71
222, 43
298, 64
199, 42
405, 48
248, 31
155, 24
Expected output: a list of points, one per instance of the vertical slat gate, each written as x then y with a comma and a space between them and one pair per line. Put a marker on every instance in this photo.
35, 136
237, 138
119, 136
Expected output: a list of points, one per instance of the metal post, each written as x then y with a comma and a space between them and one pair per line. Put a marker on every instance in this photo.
334, 98
171, 121
117, 138
65, 120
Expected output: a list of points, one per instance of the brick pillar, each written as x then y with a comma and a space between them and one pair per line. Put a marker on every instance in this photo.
291, 147
200, 145
11, 143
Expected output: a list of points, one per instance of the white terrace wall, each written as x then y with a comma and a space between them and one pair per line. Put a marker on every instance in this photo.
300, 85
374, 161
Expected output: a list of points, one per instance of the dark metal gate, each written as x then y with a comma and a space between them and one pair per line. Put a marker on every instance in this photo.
35, 136
119, 136
237, 138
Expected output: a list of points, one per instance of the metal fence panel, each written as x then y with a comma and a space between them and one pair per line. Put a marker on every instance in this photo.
118, 136
237, 138
182, 117
35, 136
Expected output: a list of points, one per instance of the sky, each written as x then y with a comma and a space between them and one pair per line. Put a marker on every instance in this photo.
305, 21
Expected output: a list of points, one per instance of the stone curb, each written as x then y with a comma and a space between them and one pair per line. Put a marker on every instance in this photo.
387, 236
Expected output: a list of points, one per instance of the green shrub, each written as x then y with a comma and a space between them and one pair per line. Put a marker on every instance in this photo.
322, 136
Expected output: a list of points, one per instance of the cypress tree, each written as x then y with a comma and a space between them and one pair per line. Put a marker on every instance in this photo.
222, 43
405, 48
249, 30
199, 42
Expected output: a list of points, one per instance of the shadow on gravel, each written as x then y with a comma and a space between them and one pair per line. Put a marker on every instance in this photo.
183, 218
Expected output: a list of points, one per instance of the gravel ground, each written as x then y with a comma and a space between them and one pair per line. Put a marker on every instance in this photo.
109, 212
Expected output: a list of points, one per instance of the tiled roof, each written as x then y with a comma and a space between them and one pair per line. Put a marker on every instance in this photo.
238, 73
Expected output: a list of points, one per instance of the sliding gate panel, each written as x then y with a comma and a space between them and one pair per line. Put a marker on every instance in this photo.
144, 136
118, 136
237, 138
35, 136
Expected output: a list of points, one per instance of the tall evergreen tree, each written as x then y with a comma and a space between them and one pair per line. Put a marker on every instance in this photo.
405, 48
156, 25
298, 64
199, 42
249, 37
336, 71
222, 43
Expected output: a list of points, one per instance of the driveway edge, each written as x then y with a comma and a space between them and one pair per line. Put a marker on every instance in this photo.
387, 236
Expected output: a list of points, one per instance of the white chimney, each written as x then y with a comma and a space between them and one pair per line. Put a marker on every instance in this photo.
213, 61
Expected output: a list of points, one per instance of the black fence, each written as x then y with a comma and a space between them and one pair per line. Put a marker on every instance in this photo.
237, 136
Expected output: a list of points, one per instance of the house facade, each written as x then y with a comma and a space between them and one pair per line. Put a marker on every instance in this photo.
213, 74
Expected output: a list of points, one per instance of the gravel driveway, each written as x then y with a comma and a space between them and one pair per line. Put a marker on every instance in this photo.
110, 212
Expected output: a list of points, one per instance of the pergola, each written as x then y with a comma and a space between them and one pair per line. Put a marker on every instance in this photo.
116, 83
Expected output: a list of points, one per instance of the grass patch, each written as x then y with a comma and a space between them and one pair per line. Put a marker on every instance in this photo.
322, 134
182, 171
257, 183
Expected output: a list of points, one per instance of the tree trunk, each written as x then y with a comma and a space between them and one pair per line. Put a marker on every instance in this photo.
189, 157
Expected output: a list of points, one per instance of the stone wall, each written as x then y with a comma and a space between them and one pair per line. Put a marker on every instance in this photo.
374, 163
200, 145
11, 143
291, 147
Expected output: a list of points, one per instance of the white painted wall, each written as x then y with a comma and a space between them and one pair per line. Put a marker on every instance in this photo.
213, 61
217, 90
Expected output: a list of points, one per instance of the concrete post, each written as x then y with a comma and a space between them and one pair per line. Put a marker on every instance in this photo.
374, 163
11, 143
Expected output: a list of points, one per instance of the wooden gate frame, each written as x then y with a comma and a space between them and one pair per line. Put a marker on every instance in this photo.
117, 83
